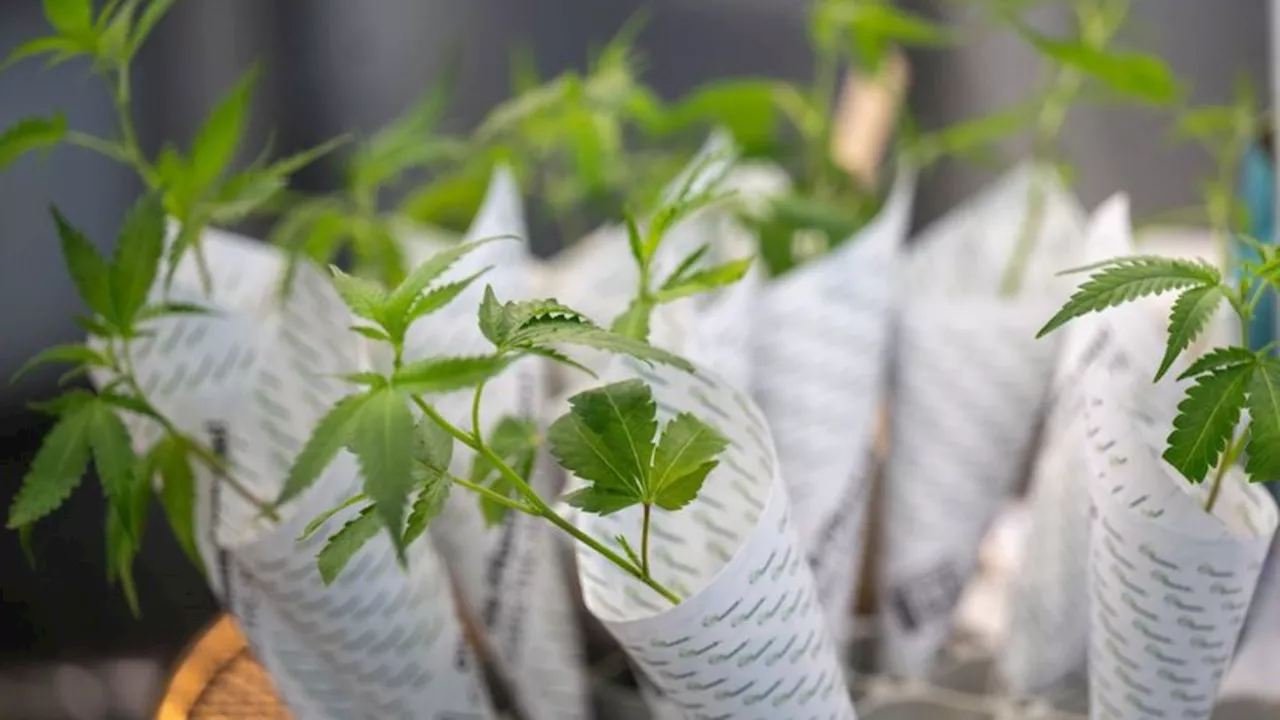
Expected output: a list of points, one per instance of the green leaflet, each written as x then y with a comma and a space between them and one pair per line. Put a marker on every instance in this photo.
137, 257
1219, 358
706, 280
89, 272
172, 462
634, 321
1264, 430
365, 298
383, 442
448, 374
607, 439
79, 355
69, 17
1190, 314
1207, 416
30, 134
115, 461
343, 545
1124, 279
403, 297
57, 468
218, 139
514, 440
332, 433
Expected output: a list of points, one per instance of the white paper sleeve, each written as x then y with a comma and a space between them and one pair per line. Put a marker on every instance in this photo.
821, 361
250, 380
1170, 584
1047, 635
748, 640
970, 381
511, 579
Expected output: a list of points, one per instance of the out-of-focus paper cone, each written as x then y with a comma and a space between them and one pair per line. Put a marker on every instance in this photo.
510, 577
1047, 635
821, 355
250, 381
1170, 584
748, 640
970, 381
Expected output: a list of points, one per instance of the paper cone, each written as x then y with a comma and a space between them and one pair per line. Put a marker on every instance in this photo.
250, 381
971, 379
1048, 631
1170, 584
749, 639
510, 577
820, 356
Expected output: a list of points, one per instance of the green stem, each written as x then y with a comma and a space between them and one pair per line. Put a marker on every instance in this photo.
495, 497
122, 98
644, 540
1228, 459
536, 505
106, 148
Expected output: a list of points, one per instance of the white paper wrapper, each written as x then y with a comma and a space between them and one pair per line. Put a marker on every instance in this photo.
1170, 584
1048, 630
970, 381
510, 577
250, 381
749, 639
820, 365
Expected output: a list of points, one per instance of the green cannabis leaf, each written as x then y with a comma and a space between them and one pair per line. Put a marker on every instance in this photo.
1125, 279
58, 466
383, 443
1264, 428
343, 545
31, 134
1206, 419
515, 441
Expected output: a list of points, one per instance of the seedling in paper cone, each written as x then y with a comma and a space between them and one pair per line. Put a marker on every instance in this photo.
1207, 434
608, 438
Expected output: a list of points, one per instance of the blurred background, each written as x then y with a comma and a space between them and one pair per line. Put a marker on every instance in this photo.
68, 645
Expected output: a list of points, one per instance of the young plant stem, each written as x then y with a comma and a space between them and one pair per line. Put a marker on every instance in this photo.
644, 540
493, 496
1228, 459
536, 505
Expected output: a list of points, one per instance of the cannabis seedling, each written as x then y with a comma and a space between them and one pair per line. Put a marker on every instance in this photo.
609, 438
1207, 433
197, 188
94, 425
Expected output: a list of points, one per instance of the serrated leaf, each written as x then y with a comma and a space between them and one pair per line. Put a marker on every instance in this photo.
57, 468
137, 257
82, 355
1264, 431
706, 280
555, 331
89, 271
502, 323
599, 501
624, 417
343, 545
1190, 314
129, 403
332, 433
687, 444
1219, 358
437, 298
447, 374
433, 446
687, 264
1124, 279
216, 144
634, 321
681, 491
368, 379
427, 506
384, 442
557, 356
114, 459
178, 494
364, 298
121, 551
69, 17
515, 441
30, 134
318, 521
403, 297
580, 450
372, 333
1206, 418
493, 321
65, 403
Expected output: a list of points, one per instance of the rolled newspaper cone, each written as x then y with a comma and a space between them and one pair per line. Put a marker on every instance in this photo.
510, 577
1170, 584
970, 381
1047, 636
821, 356
749, 638
251, 380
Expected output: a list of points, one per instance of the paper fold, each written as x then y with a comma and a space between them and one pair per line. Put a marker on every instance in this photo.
749, 639
970, 381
